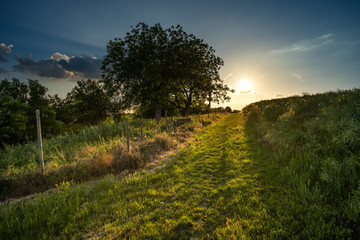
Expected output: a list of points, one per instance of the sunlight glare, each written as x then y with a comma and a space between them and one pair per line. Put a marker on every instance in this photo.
244, 86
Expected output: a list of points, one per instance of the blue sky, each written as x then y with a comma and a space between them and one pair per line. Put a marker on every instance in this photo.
281, 47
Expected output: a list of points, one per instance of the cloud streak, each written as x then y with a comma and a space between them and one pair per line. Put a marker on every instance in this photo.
306, 45
60, 66
228, 76
298, 76
247, 92
4, 50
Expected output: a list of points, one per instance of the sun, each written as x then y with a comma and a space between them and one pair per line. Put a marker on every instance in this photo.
244, 86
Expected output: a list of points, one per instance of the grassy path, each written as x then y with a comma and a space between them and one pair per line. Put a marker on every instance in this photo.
216, 188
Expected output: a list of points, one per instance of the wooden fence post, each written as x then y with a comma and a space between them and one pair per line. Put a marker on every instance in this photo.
127, 135
141, 128
38, 124
166, 121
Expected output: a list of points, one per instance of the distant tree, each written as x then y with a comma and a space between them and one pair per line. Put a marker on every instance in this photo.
37, 99
19, 100
89, 103
14, 89
62, 108
13, 121
228, 109
13, 111
152, 66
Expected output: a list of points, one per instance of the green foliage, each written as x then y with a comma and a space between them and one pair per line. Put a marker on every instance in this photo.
13, 121
88, 103
222, 185
90, 153
37, 99
152, 66
318, 138
25, 98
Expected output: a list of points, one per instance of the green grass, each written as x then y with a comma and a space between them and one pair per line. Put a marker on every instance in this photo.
317, 140
72, 147
89, 154
223, 185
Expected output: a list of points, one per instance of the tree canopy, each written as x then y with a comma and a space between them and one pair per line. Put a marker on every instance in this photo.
162, 67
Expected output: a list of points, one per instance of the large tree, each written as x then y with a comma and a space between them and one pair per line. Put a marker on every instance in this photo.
162, 67
135, 67
195, 76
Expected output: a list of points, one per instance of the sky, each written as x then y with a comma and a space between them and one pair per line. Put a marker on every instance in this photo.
270, 49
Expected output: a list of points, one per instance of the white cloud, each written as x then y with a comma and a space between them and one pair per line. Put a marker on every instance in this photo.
247, 92
325, 36
58, 56
4, 50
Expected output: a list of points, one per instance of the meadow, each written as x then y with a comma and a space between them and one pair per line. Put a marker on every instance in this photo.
91, 153
317, 141
280, 169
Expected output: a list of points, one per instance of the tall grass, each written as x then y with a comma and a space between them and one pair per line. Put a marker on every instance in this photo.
90, 153
222, 185
60, 149
317, 137
200, 192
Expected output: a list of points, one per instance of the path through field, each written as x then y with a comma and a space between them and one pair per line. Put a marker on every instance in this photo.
219, 187
210, 190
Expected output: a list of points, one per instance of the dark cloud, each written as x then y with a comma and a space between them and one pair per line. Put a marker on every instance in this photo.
60, 66
43, 68
4, 50
2, 59
2, 71
88, 67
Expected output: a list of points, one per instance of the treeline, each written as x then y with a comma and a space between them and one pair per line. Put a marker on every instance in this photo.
317, 139
86, 104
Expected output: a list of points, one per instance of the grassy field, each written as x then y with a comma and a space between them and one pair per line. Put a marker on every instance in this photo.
222, 186
317, 138
281, 169
90, 154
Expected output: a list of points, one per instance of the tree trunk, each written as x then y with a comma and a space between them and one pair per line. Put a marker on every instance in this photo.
187, 106
157, 111
166, 122
186, 109
209, 99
